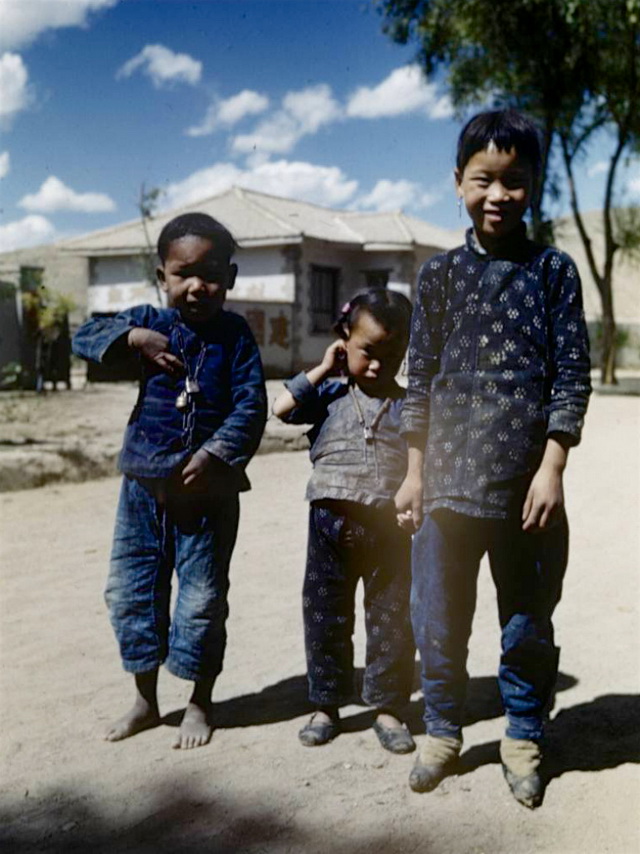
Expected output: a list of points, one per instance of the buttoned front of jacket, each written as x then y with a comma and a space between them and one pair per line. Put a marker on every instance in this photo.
346, 465
498, 360
229, 410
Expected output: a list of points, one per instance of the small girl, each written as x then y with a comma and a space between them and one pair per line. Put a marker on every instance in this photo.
359, 461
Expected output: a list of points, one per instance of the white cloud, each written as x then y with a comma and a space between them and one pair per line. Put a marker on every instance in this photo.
324, 185
24, 20
14, 88
405, 90
163, 66
201, 184
5, 163
396, 195
303, 112
634, 186
598, 168
28, 231
53, 195
276, 135
229, 111
312, 107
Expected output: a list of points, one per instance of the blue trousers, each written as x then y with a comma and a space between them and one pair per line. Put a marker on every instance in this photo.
528, 570
155, 534
347, 542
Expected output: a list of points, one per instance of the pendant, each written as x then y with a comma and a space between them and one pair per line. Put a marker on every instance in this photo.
368, 433
182, 401
191, 386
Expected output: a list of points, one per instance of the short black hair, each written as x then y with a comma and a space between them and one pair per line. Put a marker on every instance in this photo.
198, 225
506, 129
391, 309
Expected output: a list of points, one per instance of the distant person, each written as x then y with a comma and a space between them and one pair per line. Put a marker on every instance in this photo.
359, 460
498, 389
197, 422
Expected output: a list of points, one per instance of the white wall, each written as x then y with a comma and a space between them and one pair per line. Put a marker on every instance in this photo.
117, 283
262, 277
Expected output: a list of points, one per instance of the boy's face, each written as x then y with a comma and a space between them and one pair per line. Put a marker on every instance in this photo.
496, 187
196, 275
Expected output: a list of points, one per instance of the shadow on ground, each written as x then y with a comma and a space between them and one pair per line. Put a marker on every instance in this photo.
287, 699
603, 733
175, 819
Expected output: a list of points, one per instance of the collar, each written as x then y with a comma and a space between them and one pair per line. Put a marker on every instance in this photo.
515, 249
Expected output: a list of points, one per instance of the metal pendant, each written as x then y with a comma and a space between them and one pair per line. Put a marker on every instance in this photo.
182, 401
191, 386
368, 433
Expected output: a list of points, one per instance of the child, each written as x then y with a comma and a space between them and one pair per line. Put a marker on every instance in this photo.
498, 388
359, 460
197, 422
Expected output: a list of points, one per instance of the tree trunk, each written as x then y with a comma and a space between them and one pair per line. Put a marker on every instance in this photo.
608, 354
542, 232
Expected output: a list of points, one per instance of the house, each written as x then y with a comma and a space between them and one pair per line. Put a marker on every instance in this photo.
298, 263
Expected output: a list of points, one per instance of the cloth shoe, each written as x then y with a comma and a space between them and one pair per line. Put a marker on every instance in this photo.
520, 763
436, 759
315, 733
394, 739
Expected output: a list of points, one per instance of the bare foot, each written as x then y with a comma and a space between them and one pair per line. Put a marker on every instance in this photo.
195, 729
140, 716
143, 714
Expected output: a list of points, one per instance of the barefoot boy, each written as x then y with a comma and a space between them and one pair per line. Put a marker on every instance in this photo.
199, 417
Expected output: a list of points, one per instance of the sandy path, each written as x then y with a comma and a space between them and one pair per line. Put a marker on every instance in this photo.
254, 788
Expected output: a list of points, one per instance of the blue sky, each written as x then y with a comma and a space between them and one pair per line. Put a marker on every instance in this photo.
303, 98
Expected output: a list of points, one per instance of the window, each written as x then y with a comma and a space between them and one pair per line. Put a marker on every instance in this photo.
376, 278
324, 297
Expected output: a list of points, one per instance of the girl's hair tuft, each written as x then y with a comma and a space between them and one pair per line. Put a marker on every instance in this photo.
391, 309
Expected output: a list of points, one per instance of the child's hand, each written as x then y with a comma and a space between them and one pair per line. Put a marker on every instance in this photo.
544, 499
197, 467
154, 347
334, 358
408, 502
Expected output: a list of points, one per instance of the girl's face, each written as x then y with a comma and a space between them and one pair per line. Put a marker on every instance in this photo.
374, 355
496, 187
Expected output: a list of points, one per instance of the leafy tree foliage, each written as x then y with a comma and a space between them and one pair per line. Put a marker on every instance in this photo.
574, 65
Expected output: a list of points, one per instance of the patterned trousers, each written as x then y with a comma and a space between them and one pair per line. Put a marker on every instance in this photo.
349, 541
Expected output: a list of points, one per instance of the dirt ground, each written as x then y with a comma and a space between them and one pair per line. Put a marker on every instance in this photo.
73, 436
254, 788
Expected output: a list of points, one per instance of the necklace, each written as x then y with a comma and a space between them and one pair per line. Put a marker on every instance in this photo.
185, 400
368, 430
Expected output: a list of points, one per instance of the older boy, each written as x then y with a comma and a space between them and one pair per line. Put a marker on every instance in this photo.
498, 389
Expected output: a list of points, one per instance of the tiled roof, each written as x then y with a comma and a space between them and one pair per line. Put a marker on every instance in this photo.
258, 219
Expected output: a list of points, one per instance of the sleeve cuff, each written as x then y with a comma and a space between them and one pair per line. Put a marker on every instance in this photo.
413, 423
120, 332
566, 422
301, 389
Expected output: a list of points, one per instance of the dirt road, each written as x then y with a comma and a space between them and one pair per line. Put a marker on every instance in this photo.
254, 788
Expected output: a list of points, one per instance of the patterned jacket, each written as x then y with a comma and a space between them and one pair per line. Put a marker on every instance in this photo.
229, 411
498, 360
